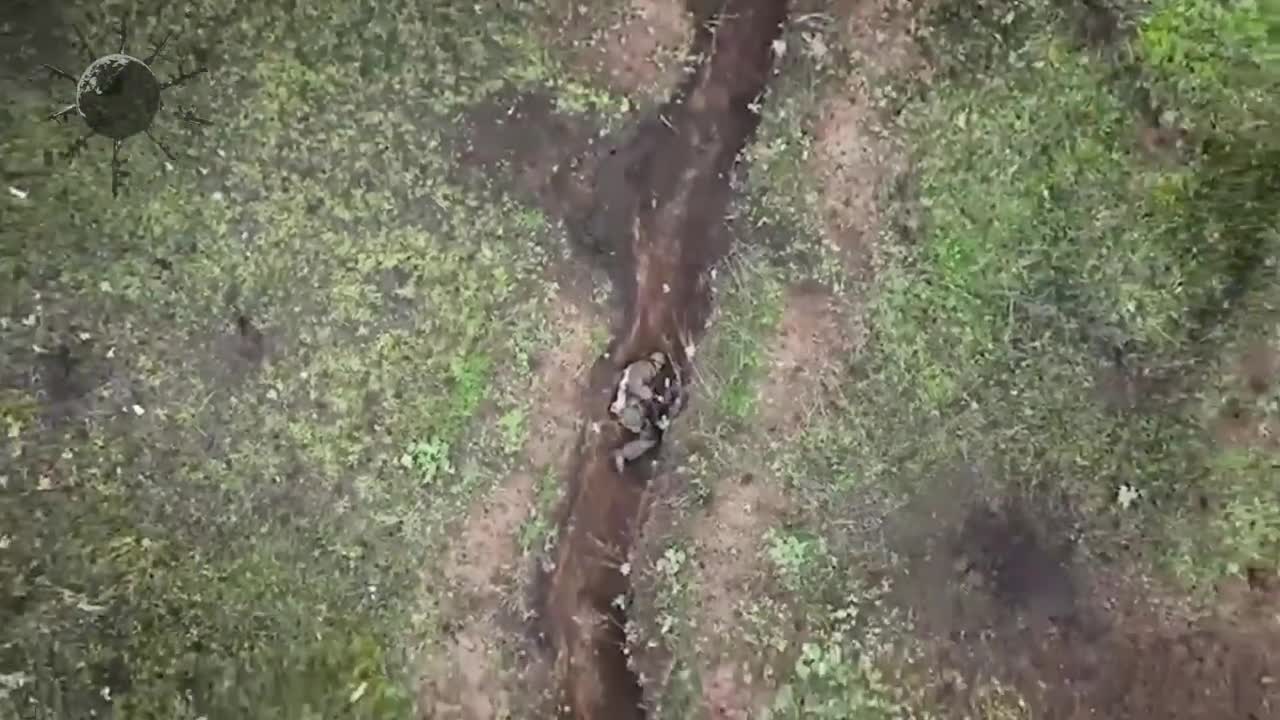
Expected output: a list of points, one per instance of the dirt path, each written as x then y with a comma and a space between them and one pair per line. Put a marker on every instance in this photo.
666, 213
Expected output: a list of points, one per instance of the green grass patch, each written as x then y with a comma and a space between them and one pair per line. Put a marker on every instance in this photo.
1053, 253
665, 610
847, 662
749, 304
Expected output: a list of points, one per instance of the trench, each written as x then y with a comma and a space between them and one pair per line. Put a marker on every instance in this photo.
666, 212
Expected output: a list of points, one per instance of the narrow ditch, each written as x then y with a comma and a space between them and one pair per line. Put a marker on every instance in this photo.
665, 210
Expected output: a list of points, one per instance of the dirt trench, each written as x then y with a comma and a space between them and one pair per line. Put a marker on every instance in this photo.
664, 205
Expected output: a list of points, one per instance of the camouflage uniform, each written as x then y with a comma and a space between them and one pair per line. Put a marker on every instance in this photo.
641, 408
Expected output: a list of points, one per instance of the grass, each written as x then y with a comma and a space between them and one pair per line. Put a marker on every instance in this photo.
248, 402
237, 518
660, 616
537, 533
1051, 252
749, 309
1038, 250
779, 206
837, 672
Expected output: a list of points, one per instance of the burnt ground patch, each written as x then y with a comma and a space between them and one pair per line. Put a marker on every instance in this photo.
1002, 594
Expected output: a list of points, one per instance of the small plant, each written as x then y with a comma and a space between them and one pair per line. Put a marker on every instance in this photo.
838, 673
538, 531
512, 427
1243, 533
800, 560
430, 459
671, 590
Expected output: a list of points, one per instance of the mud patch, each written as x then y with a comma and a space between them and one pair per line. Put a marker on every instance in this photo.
560, 375
1259, 368
727, 696
248, 344
1001, 552
468, 679
853, 161
729, 550
1246, 419
728, 543
484, 559
528, 142
65, 378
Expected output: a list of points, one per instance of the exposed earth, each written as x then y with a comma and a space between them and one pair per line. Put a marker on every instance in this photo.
649, 359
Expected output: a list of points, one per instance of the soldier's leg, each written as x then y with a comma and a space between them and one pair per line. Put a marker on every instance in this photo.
633, 450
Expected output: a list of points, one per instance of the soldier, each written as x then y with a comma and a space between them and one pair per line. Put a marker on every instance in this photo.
643, 405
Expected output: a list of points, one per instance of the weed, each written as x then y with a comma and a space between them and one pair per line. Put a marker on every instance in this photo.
748, 316
840, 670
780, 203
800, 560
538, 531
1243, 532
1049, 254
666, 609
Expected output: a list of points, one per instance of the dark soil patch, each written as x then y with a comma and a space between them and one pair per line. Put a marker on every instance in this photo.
1002, 552
33, 32
66, 377
526, 139
249, 343
1000, 595
240, 348
1243, 421
664, 200
1096, 23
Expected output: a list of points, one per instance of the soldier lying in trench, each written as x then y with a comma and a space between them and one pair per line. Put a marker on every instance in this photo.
649, 396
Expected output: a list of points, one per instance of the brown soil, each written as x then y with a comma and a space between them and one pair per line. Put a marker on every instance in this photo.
466, 679
728, 696
728, 546
638, 52
1002, 599
669, 203
1259, 368
1241, 422
65, 380
525, 139
817, 336
728, 543
855, 153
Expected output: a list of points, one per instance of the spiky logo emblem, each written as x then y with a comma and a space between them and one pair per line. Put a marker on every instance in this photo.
118, 96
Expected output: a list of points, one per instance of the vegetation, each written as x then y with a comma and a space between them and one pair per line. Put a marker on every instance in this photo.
749, 309
1082, 253
1055, 250
245, 406
266, 385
